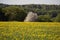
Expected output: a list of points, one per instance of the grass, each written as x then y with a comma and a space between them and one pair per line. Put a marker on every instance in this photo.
29, 31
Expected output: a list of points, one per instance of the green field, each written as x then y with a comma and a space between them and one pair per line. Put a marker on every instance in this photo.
29, 31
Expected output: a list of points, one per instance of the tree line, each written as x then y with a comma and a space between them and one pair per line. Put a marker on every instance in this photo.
46, 13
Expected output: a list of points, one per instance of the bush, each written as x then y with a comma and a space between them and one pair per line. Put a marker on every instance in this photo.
44, 18
57, 18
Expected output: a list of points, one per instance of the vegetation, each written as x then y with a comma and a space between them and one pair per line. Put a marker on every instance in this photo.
57, 19
44, 18
19, 12
14, 13
29, 31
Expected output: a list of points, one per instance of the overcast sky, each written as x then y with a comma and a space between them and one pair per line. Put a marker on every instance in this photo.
30, 2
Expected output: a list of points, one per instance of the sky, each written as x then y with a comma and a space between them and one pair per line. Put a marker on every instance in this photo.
21, 2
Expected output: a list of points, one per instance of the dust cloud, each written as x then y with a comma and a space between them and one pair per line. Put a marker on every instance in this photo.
31, 17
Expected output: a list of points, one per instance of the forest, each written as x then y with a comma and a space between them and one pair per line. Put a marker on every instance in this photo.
45, 13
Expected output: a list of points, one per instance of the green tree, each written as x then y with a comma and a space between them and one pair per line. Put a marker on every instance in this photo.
57, 18
2, 16
44, 18
14, 13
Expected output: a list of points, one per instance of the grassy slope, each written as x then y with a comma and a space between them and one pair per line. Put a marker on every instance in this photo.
29, 31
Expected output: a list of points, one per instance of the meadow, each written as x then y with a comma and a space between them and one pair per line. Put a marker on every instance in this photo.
29, 31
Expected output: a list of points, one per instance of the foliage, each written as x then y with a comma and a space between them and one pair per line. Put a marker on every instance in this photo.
19, 12
44, 18
57, 18
14, 13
